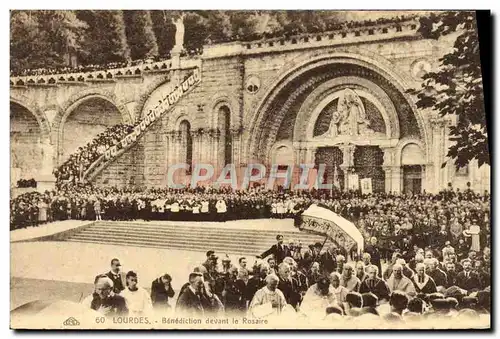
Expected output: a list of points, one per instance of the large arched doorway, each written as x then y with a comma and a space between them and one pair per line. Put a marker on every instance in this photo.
312, 107
25, 143
88, 118
282, 115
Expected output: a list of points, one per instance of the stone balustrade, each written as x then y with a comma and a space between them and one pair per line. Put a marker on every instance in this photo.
311, 40
108, 75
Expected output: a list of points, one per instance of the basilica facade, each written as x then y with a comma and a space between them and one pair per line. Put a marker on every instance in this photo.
336, 98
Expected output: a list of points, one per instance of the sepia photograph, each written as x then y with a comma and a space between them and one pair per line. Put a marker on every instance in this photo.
250, 169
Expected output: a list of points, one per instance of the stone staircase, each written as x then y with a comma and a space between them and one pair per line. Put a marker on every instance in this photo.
189, 238
182, 89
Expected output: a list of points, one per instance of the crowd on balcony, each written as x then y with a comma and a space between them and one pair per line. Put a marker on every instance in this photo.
85, 68
330, 26
72, 170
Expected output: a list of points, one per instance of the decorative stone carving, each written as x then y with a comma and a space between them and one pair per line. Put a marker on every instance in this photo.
350, 117
389, 156
419, 68
252, 84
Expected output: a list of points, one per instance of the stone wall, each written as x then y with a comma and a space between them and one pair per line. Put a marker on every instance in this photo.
25, 147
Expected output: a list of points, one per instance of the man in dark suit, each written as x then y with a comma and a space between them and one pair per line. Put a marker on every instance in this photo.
279, 250
288, 285
328, 261
374, 252
256, 282
467, 279
440, 278
191, 301
116, 276
161, 290
374, 284
451, 274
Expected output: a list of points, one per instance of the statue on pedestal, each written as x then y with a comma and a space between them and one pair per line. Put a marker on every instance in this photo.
47, 157
179, 33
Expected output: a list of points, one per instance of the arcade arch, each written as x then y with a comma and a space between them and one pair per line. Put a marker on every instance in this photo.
26, 138
83, 121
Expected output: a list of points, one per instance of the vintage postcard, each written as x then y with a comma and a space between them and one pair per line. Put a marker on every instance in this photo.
263, 169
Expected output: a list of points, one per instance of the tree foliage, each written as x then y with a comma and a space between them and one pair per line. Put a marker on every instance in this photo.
105, 38
44, 38
456, 87
41, 38
141, 37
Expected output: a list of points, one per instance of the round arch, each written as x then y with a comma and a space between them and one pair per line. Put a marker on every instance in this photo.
74, 103
78, 98
300, 66
220, 100
407, 142
35, 110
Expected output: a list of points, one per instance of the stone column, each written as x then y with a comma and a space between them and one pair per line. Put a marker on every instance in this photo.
236, 146
438, 155
348, 162
392, 170
216, 156
196, 135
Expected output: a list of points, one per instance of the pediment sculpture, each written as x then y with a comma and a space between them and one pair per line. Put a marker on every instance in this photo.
350, 117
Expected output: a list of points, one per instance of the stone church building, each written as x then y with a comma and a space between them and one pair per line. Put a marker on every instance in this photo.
334, 98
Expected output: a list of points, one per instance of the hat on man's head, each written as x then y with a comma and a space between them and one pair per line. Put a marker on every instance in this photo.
210, 253
318, 245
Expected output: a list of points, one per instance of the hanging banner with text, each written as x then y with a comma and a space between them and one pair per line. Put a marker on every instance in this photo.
169, 100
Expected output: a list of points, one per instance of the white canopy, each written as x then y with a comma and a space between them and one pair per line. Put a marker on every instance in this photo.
333, 225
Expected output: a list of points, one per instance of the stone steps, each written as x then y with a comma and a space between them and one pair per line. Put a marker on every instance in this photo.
191, 238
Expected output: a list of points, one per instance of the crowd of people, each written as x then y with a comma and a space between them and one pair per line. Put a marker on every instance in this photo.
313, 284
397, 220
78, 162
85, 68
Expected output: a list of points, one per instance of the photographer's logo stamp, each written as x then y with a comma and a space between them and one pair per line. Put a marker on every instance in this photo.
71, 322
